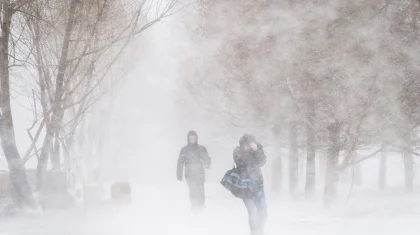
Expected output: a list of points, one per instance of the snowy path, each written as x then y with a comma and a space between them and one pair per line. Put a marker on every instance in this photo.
168, 213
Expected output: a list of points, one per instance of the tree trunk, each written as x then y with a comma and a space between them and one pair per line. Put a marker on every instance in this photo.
330, 191
382, 170
43, 158
42, 76
21, 190
55, 154
409, 174
55, 123
68, 152
357, 171
276, 175
408, 165
310, 151
69, 148
293, 160
62, 65
58, 112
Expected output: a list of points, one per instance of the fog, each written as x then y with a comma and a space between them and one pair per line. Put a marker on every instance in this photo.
233, 70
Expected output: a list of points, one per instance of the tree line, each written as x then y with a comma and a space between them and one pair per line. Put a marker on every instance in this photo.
328, 78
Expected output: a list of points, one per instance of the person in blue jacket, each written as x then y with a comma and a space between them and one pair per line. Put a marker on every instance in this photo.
249, 157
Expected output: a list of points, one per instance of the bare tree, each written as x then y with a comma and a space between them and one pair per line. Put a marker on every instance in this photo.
71, 47
85, 53
21, 191
345, 83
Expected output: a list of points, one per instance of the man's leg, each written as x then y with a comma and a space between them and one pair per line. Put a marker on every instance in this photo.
261, 206
201, 195
191, 189
253, 219
195, 195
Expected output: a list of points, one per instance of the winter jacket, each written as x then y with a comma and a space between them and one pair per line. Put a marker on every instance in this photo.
194, 158
249, 163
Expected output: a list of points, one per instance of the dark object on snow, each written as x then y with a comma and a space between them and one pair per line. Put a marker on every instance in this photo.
121, 192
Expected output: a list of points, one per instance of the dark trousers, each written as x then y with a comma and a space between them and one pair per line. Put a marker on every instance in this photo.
197, 194
257, 212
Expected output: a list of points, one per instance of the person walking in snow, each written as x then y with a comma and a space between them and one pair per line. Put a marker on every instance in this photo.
195, 159
249, 157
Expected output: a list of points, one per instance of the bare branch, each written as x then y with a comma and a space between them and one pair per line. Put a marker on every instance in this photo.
34, 141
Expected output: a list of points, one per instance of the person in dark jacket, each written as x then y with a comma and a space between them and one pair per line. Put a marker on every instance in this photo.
194, 158
249, 157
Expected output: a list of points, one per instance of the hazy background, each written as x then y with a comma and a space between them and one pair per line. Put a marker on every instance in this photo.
146, 117
152, 109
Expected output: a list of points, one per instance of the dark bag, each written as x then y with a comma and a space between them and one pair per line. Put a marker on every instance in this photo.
243, 188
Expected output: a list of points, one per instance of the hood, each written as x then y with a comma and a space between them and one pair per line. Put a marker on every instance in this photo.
246, 139
192, 133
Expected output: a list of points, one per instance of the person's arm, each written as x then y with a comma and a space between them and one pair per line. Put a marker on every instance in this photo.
180, 165
206, 158
239, 161
260, 156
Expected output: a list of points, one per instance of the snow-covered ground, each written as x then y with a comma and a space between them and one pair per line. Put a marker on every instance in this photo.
164, 210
